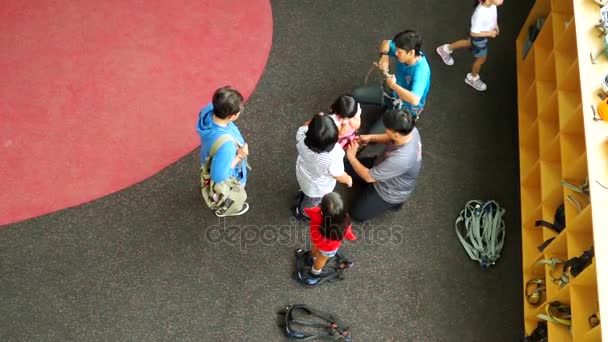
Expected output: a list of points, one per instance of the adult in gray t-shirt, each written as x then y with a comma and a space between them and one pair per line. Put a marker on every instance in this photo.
388, 180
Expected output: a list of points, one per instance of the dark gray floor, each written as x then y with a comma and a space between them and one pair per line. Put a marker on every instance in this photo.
145, 263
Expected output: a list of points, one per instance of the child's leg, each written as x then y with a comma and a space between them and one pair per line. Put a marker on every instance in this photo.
319, 263
314, 251
477, 65
463, 43
445, 50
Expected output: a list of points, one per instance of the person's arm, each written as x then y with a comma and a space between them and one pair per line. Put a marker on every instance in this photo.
403, 93
374, 138
359, 168
384, 55
344, 178
486, 34
241, 154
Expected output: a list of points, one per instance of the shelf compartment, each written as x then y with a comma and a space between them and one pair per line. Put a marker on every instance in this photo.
554, 291
578, 242
558, 332
550, 176
549, 139
525, 121
572, 148
572, 213
561, 6
594, 335
530, 201
580, 223
545, 65
588, 277
584, 303
533, 236
566, 42
559, 244
566, 71
529, 151
570, 112
561, 21
547, 102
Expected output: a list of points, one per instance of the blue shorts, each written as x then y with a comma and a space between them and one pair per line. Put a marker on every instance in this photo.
329, 254
479, 46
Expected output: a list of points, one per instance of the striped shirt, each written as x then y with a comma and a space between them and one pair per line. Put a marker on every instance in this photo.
316, 171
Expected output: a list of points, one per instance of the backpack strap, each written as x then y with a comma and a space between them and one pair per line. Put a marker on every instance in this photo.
221, 141
334, 330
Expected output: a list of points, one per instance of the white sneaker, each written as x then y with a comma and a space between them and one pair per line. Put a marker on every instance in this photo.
475, 82
445, 54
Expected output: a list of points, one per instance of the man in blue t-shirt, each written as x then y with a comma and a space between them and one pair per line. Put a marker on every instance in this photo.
215, 120
409, 86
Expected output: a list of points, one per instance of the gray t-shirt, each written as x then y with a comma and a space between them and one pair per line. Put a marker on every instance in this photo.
396, 170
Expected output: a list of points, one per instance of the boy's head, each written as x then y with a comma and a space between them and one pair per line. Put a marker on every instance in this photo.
398, 122
227, 103
408, 45
322, 134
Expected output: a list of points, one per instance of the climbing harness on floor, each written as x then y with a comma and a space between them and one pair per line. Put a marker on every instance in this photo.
335, 266
535, 291
303, 323
481, 230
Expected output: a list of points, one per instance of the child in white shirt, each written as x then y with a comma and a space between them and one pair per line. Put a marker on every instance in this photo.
484, 25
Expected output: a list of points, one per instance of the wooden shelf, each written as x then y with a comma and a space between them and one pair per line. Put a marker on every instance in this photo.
559, 140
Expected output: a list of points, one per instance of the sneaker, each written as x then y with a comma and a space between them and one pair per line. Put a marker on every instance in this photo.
222, 213
476, 82
445, 54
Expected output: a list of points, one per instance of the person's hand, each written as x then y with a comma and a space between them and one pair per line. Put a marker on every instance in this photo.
353, 147
383, 63
364, 139
243, 151
349, 181
391, 81
493, 34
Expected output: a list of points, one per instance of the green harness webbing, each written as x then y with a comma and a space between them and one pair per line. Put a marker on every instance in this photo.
563, 279
484, 231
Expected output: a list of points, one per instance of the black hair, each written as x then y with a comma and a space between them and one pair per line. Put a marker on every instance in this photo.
408, 40
345, 106
399, 120
477, 2
227, 101
335, 218
322, 134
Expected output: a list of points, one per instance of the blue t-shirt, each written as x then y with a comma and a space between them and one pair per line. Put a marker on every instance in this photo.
415, 78
209, 132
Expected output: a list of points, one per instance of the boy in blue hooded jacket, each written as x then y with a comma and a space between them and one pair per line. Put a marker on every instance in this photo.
215, 120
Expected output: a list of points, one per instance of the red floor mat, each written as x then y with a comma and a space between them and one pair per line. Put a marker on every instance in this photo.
98, 95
